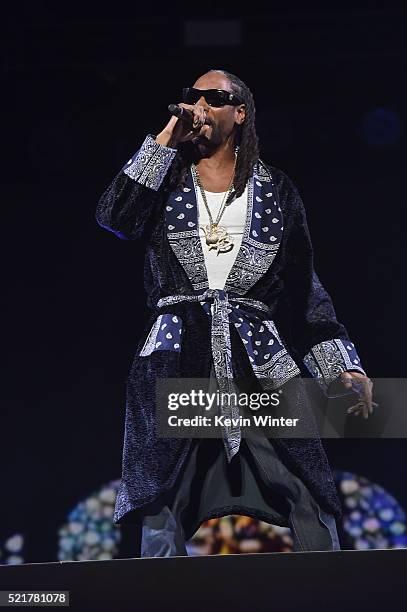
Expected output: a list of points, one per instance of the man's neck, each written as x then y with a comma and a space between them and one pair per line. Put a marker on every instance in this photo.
223, 156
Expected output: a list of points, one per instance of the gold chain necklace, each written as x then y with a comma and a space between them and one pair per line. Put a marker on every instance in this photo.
216, 236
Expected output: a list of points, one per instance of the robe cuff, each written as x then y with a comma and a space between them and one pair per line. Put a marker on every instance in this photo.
150, 164
326, 360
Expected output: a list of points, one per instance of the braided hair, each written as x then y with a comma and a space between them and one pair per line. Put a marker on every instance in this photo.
245, 138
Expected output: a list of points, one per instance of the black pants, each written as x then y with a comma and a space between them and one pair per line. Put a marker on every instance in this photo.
255, 483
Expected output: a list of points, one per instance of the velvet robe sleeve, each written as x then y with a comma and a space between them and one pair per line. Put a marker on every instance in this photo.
134, 195
321, 341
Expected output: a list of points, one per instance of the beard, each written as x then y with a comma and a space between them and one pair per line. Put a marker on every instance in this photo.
202, 145
205, 145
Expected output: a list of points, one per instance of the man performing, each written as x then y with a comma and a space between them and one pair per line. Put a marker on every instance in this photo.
232, 289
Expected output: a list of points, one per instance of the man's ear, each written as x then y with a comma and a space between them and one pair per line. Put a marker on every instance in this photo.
241, 114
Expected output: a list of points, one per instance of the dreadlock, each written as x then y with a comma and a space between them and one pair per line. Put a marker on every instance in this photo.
245, 138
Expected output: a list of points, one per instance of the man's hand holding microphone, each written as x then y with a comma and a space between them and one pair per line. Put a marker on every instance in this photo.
192, 124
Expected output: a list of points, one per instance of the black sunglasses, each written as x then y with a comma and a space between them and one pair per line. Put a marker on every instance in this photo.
214, 97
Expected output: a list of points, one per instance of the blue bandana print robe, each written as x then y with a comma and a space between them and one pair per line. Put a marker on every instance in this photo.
274, 265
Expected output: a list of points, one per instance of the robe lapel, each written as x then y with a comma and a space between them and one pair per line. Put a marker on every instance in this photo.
261, 236
181, 220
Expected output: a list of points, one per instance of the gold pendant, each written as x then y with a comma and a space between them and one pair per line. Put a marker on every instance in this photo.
217, 238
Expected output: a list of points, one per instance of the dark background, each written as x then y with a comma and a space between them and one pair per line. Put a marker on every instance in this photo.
82, 86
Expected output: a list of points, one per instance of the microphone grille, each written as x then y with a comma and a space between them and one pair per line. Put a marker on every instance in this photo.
175, 109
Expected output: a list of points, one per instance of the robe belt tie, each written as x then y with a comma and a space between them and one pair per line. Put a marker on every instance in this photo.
268, 357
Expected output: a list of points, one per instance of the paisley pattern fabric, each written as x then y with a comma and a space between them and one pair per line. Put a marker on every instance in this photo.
165, 335
268, 356
328, 359
260, 242
273, 318
150, 164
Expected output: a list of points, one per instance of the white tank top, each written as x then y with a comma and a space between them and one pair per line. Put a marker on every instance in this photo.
233, 219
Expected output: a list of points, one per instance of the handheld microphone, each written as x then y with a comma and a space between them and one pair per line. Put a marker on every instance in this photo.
182, 113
